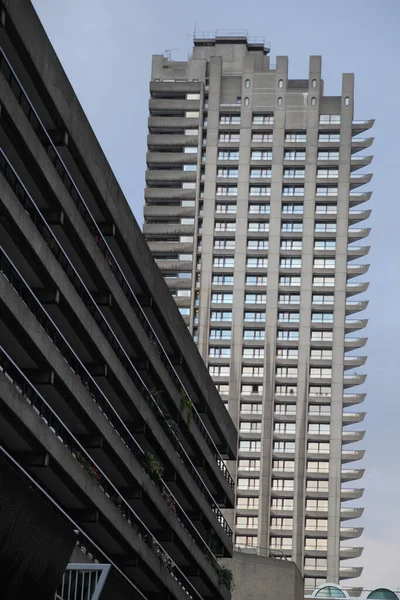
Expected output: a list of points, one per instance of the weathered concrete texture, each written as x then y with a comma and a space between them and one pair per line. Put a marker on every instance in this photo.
259, 578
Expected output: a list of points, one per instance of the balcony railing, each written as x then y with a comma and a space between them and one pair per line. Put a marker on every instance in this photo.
104, 248
22, 288
68, 440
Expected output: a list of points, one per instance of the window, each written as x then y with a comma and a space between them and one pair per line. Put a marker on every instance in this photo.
252, 372
186, 239
288, 335
328, 173
324, 263
261, 155
285, 428
253, 334
226, 190
320, 409
220, 334
320, 390
287, 353
286, 390
289, 280
319, 317
257, 263
324, 245
289, 317
253, 353
291, 227
323, 299
224, 244
261, 119
225, 172
185, 256
320, 281
222, 279
318, 447
295, 155
192, 114
291, 245
329, 137
247, 83
283, 485
290, 263
223, 261
289, 298
185, 312
282, 503
286, 371
190, 167
319, 428
192, 96
257, 226
317, 524
228, 154
249, 445
259, 209
246, 502
287, 410
248, 483
218, 352
347, 101
257, 190
222, 388
294, 173
325, 227
318, 466
321, 336
327, 191
219, 370
260, 173
315, 564
280, 83
328, 119
313, 101
280, 543
190, 150
188, 203
326, 209
229, 136
284, 447
328, 155
290, 190
256, 280
221, 315
257, 244
280, 100
316, 372
247, 522
247, 541
316, 544
229, 119
183, 293
261, 137
292, 209
185, 275
225, 208
316, 505
249, 389
292, 136
191, 132
317, 485
255, 298
257, 317
250, 427
281, 523
246, 101
251, 409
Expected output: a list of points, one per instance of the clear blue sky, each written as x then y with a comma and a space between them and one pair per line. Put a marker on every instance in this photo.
106, 46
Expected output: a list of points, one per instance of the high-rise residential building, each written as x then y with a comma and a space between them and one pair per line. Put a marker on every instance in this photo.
113, 438
253, 213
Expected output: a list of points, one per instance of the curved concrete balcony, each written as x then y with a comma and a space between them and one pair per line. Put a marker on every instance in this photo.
353, 417
349, 437
176, 175
354, 361
356, 270
350, 399
351, 343
357, 251
180, 284
352, 474
356, 287
355, 306
163, 159
349, 533
351, 493
167, 211
155, 142
355, 216
355, 324
355, 233
358, 126
359, 179
171, 124
352, 455
172, 247
356, 198
350, 572
163, 229
350, 513
361, 143
174, 265
161, 105
354, 552
360, 161
166, 194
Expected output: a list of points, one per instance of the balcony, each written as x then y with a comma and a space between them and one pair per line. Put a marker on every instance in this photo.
351, 494
351, 474
360, 161
352, 455
355, 216
172, 105
168, 212
175, 87
356, 233
164, 159
169, 175
355, 324
356, 270
357, 251
351, 343
354, 288
352, 399
350, 552
166, 194
359, 179
349, 533
356, 198
350, 513
354, 361
359, 126
161, 230
355, 306
162, 142
350, 572
349, 437
171, 124
353, 417
360, 144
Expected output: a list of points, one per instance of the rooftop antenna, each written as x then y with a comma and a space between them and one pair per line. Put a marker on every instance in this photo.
168, 52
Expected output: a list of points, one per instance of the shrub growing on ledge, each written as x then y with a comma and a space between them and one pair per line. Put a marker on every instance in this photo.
186, 406
153, 467
225, 576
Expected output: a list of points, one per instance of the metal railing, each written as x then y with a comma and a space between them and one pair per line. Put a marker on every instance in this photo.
82, 582
24, 291
106, 251
63, 434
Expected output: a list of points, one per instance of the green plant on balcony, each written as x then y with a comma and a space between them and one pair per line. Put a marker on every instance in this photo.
158, 396
89, 468
153, 467
186, 407
225, 577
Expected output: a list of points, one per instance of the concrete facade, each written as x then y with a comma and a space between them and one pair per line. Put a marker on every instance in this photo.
249, 212
107, 409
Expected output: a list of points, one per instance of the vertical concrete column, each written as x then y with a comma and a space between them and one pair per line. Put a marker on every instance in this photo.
272, 304
335, 457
